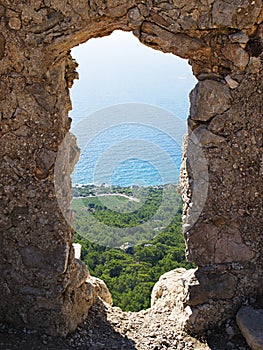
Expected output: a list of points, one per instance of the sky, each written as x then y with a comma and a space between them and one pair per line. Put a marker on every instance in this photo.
119, 69
121, 81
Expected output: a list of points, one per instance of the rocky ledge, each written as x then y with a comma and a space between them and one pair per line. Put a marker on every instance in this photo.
109, 328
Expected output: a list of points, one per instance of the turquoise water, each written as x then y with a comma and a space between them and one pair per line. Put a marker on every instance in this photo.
129, 114
135, 156
129, 144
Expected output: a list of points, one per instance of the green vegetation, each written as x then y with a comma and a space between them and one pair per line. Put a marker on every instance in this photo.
150, 220
111, 216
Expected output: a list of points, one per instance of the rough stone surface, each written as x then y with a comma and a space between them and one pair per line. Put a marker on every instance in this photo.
168, 284
208, 99
42, 285
233, 84
2, 46
250, 322
100, 289
159, 327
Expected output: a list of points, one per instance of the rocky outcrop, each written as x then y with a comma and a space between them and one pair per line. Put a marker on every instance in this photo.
42, 285
100, 290
191, 297
169, 286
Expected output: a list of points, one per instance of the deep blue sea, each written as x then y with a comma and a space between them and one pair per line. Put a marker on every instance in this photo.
129, 118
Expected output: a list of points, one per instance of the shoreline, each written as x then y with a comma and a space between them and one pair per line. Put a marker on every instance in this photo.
79, 186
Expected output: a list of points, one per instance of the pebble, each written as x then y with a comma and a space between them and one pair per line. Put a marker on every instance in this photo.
99, 346
230, 331
14, 23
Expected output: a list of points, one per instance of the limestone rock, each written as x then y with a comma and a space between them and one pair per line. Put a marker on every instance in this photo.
206, 138
208, 99
254, 64
179, 44
189, 296
100, 289
239, 37
233, 84
135, 16
45, 159
250, 322
169, 285
234, 14
203, 286
169, 293
232, 248
235, 54
80, 274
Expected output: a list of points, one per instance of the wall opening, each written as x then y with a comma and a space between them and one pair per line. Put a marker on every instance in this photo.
129, 115
42, 286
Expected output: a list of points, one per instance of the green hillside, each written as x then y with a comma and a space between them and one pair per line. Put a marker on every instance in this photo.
155, 245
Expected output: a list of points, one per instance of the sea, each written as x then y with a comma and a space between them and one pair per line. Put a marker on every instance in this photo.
130, 120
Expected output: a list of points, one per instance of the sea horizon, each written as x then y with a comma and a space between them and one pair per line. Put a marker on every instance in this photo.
124, 152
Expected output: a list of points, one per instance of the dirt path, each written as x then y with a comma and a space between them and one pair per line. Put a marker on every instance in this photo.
133, 199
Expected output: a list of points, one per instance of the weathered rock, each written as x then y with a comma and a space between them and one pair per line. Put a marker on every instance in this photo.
189, 296
234, 14
206, 138
250, 322
235, 54
14, 23
45, 160
239, 37
2, 46
41, 283
179, 44
208, 99
254, 65
233, 84
230, 247
204, 286
100, 289
168, 286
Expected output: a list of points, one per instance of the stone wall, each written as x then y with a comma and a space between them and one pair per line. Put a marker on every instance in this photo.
42, 285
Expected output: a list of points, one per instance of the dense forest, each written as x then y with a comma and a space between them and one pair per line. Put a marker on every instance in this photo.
122, 243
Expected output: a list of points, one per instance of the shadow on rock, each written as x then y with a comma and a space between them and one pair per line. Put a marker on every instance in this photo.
96, 333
